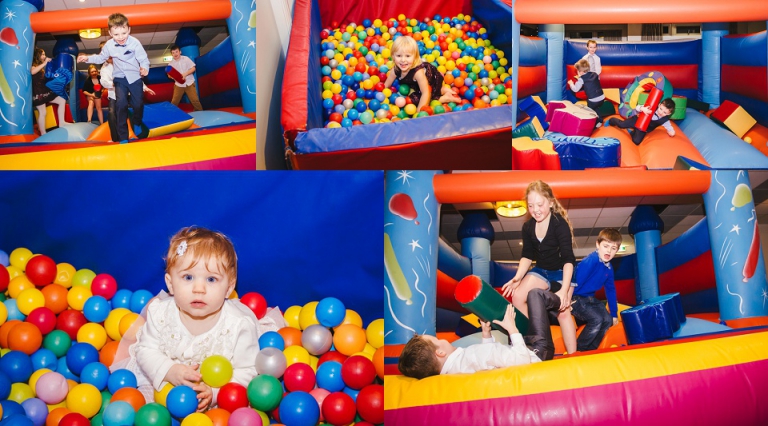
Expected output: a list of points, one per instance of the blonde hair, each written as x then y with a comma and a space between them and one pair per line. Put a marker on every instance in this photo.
90, 67
582, 65
201, 243
611, 235
407, 44
117, 20
541, 188
591, 42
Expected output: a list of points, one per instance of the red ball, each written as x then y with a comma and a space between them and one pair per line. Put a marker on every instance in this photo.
370, 403
256, 302
339, 409
379, 87
479, 92
462, 66
372, 70
41, 270
335, 117
299, 377
232, 396
104, 285
5, 278
70, 322
360, 67
43, 318
351, 95
337, 99
325, 78
332, 356
324, 34
357, 123
358, 371
324, 60
74, 419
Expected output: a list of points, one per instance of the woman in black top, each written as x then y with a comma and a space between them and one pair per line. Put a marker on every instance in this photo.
92, 92
547, 240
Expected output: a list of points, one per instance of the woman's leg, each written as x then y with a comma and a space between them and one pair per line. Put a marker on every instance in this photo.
568, 330
41, 118
520, 298
60, 110
89, 114
99, 113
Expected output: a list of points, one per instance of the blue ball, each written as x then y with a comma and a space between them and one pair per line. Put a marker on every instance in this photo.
348, 80
469, 94
346, 122
357, 76
17, 420
351, 392
374, 106
182, 401
4, 259
121, 379
339, 108
331, 311
272, 339
353, 114
79, 355
5, 386
13, 310
36, 410
379, 96
118, 413
299, 409
139, 299
326, 70
329, 376
361, 107
96, 374
122, 299
360, 92
327, 103
61, 368
44, 358
367, 22
369, 94
11, 408
17, 366
96, 309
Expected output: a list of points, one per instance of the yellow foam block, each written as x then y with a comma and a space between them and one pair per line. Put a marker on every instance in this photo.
612, 95
527, 144
539, 101
171, 128
740, 121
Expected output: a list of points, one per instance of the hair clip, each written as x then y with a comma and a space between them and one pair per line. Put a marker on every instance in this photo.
181, 249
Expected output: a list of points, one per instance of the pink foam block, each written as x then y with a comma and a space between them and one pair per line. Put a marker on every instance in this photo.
570, 119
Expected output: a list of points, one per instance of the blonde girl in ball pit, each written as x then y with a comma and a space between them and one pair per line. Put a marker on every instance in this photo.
423, 77
194, 320
548, 240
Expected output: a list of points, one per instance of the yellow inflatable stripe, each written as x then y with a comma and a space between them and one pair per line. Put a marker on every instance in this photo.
170, 128
577, 372
138, 155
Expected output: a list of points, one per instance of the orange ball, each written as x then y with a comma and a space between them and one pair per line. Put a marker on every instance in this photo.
107, 353
5, 329
55, 416
448, 78
378, 362
291, 336
349, 339
25, 337
126, 322
219, 416
130, 395
55, 298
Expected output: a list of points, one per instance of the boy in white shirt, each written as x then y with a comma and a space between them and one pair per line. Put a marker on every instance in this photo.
186, 68
592, 58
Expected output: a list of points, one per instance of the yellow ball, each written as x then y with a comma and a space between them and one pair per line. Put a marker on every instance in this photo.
377, 23
369, 349
394, 109
35, 376
336, 88
410, 109
233, 295
160, 396
386, 53
3, 313
375, 79
375, 333
387, 92
13, 272
313, 360
335, 74
333, 125
20, 257
291, 316
368, 84
112, 323
294, 354
64, 274
30, 299
84, 399
747, 139
363, 353
92, 333
327, 94
263, 415
351, 317
442, 68
126, 322
17, 285
20, 392
308, 316
197, 419
77, 296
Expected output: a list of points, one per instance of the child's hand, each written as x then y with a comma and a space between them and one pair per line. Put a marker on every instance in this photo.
143, 72
615, 321
646, 110
508, 289
186, 375
671, 133
204, 396
508, 323
565, 302
486, 327
82, 58
150, 91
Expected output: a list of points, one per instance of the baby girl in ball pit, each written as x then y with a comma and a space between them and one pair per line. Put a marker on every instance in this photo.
424, 78
195, 320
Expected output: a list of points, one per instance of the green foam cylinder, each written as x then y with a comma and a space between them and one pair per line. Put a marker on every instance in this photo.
478, 297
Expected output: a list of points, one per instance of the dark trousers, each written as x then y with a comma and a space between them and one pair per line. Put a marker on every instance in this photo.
595, 106
122, 89
637, 135
112, 121
541, 304
592, 312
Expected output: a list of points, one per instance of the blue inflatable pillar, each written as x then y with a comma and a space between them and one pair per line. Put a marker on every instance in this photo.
735, 240
411, 235
17, 43
514, 63
189, 44
555, 36
646, 226
242, 32
65, 56
710, 61
476, 235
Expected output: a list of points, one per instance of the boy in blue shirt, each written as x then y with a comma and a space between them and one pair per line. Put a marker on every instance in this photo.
593, 273
130, 63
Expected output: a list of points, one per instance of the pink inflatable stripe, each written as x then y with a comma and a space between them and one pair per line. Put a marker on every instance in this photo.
240, 162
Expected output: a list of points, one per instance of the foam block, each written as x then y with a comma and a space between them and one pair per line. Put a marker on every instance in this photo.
656, 319
569, 119
531, 127
612, 94
581, 152
174, 74
734, 117
478, 297
164, 118
534, 107
529, 154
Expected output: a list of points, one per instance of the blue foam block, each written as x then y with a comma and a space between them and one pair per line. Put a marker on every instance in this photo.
656, 319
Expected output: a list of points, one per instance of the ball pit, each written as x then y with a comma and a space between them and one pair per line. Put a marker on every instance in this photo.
355, 59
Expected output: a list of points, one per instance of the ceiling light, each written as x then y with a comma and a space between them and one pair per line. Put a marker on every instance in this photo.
90, 33
510, 208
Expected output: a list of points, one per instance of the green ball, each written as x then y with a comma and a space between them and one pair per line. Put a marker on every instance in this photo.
57, 342
153, 414
106, 397
97, 421
2, 297
363, 50
265, 392
439, 109
473, 76
402, 114
83, 277
404, 89
422, 114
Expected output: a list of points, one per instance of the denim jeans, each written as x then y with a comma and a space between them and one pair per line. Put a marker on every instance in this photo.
592, 312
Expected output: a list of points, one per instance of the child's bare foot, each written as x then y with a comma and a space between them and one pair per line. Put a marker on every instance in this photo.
450, 97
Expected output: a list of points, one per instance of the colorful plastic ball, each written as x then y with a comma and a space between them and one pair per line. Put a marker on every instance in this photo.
70, 322
51, 387
404, 89
63, 369
366, 117
75, 419
245, 416
96, 309
338, 409
17, 366
329, 376
108, 352
58, 342
181, 401
18, 284
271, 339
83, 278
132, 396
378, 362
84, 399
42, 318
271, 361
104, 285
121, 378
25, 337
358, 371
10, 408
291, 314
232, 396
5, 329
319, 394
349, 339
218, 416
296, 354
21, 392
316, 339
55, 298
93, 334
330, 312
256, 303
112, 323
64, 274
122, 299
351, 392
216, 371
43, 358
299, 377
332, 356
370, 403
161, 395
291, 336
12, 309
375, 333
30, 299
118, 413
17, 420
55, 416
41, 270
410, 109
96, 374
77, 296
299, 409
264, 393
3, 309
35, 410
139, 299
5, 278
80, 355
20, 257
307, 315
352, 317
153, 414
